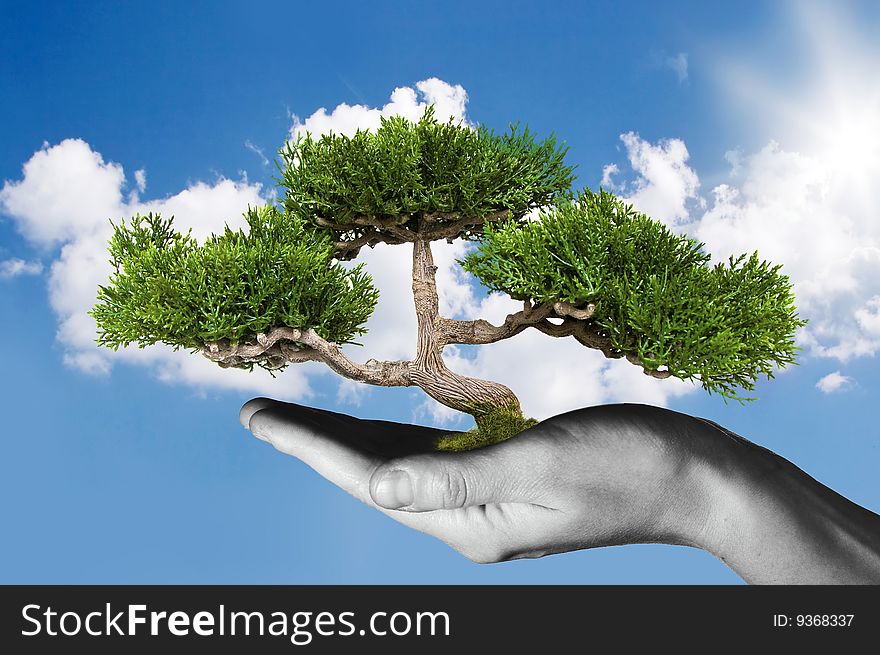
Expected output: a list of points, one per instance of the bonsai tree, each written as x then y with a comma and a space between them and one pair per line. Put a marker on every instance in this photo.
589, 267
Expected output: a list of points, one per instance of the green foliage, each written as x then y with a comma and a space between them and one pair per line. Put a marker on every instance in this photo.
493, 427
404, 167
655, 293
166, 287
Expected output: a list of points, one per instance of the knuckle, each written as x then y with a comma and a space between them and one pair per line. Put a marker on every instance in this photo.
451, 487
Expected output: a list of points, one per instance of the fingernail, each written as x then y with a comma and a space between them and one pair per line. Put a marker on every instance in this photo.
394, 490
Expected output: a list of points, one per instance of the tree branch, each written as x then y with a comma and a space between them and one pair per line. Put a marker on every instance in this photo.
363, 221
431, 230
428, 226
350, 249
576, 322
282, 345
564, 309
367, 231
481, 331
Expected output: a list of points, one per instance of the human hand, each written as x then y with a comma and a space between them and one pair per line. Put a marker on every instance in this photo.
607, 475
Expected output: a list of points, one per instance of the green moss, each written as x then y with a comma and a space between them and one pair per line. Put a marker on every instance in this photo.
491, 428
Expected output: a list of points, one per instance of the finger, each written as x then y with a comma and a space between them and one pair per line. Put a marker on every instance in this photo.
487, 533
423, 483
253, 406
319, 443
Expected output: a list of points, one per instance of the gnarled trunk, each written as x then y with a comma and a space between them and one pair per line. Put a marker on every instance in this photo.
428, 370
488, 402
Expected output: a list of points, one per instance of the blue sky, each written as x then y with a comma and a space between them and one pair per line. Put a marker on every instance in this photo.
751, 126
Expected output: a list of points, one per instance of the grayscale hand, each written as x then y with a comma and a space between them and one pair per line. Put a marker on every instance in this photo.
606, 475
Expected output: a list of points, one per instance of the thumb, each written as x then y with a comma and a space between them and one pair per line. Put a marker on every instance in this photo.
423, 483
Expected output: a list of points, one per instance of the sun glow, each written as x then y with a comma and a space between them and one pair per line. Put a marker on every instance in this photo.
850, 141
832, 114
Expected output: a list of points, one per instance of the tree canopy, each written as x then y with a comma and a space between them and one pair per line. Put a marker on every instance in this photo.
653, 294
168, 288
427, 180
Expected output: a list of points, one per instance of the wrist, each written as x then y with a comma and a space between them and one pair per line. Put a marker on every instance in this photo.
702, 464
772, 523
747, 497
730, 478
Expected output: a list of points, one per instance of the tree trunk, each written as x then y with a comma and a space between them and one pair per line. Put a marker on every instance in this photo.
428, 371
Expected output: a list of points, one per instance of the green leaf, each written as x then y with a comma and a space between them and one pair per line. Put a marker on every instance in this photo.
280, 272
656, 295
403, 168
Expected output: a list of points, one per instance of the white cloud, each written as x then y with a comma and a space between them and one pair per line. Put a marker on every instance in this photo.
140, 179
734, 158
206, 208
795, 209
608, 172
809, 198
868, 317
258, 151
88, 361
351, 393
66, 196
15, 267
449, 101
678, 64
833, 382
810, 205
664, 183
788, 209
66, 190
